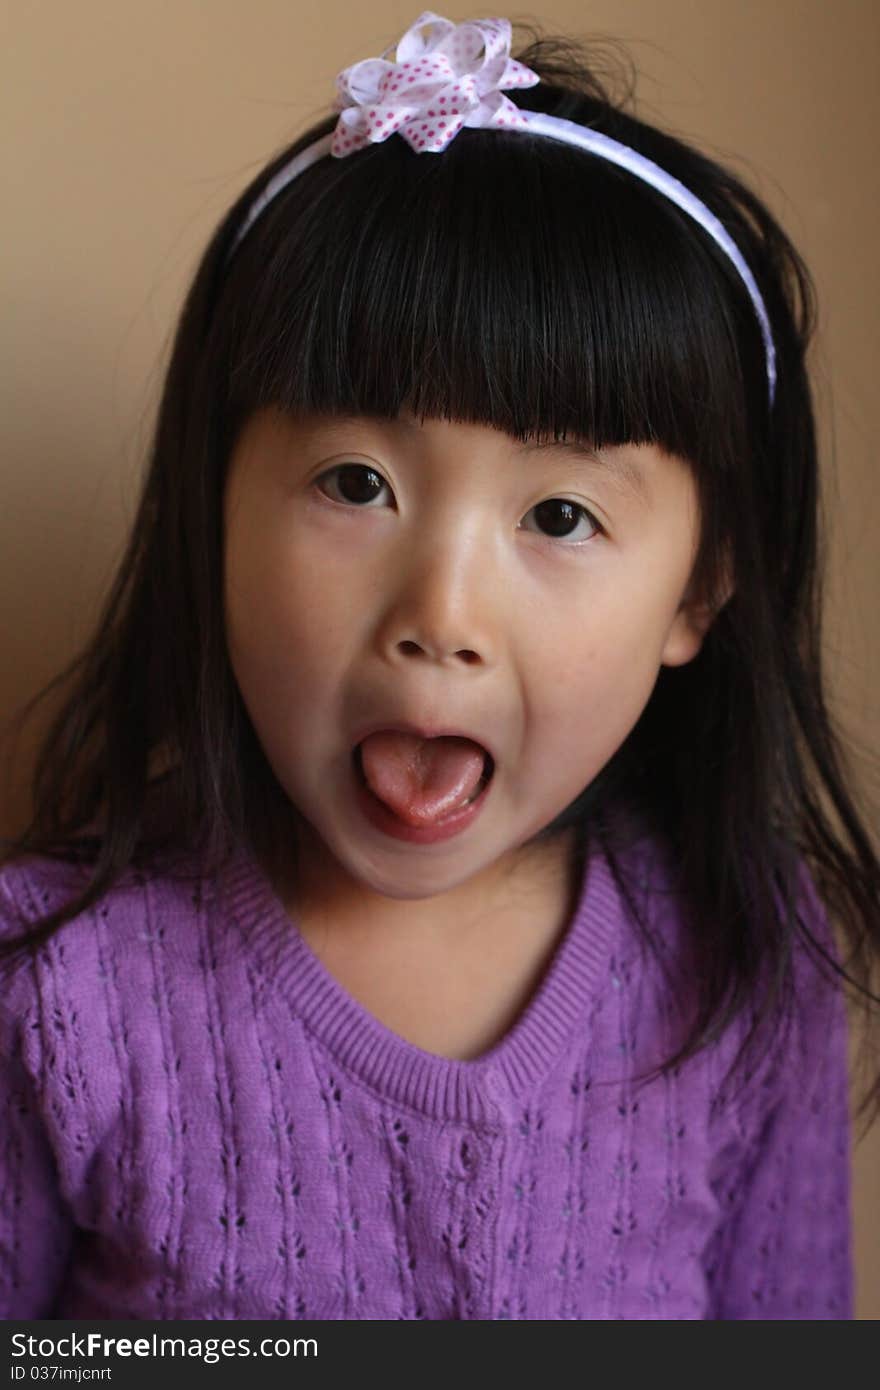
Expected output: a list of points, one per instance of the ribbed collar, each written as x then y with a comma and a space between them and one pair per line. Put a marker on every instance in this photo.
482, 1089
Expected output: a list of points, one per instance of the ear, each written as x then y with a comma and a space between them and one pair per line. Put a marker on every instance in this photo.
695, 616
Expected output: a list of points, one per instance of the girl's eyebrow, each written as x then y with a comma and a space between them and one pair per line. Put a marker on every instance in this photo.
624, 472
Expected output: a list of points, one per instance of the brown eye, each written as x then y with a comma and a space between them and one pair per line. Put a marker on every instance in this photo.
559, 518
355, 483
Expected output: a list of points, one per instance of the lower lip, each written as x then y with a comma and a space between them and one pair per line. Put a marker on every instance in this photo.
384, 819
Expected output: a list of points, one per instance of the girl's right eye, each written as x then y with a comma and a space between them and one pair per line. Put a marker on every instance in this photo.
356, 482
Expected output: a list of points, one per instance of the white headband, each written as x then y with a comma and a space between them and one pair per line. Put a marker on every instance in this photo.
445, 76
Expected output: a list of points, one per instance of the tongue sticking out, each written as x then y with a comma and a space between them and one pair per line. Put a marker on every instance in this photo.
421, 779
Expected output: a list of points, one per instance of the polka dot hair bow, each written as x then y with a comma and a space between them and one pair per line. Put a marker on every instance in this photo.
443, 76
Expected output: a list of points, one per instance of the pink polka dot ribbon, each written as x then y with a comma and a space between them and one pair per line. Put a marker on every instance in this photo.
443, 76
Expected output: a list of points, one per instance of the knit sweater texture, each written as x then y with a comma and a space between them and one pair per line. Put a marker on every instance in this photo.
198, 1121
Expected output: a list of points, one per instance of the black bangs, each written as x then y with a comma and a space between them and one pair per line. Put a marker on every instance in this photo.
512, 281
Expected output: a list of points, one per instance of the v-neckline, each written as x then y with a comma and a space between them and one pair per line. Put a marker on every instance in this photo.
442, 1087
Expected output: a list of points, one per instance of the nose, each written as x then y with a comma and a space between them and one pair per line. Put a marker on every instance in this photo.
440, 600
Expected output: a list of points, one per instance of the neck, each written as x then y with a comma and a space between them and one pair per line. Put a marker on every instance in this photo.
534, 879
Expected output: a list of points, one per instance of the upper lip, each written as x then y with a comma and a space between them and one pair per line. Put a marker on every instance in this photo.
423, 731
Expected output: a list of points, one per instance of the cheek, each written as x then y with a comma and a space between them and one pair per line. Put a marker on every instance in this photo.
607, 640
286, 618
597, 672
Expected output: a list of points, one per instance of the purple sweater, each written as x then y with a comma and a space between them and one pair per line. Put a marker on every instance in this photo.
197, 1121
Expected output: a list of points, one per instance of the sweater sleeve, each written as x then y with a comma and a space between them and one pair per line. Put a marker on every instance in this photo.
786, 1247
36, 1228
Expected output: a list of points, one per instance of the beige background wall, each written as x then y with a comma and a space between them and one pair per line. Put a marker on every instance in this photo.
128, 128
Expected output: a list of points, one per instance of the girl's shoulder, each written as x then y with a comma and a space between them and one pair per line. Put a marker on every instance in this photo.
35, 885
119, 924
32, 886
109, 972
650, 877
803, 982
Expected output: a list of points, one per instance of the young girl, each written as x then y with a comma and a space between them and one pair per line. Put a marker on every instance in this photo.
421, 915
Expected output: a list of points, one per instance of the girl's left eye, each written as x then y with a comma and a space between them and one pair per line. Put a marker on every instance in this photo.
559, 512
358, 479
358, 483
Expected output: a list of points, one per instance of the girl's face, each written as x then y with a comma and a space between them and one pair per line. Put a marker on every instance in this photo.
447, 575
